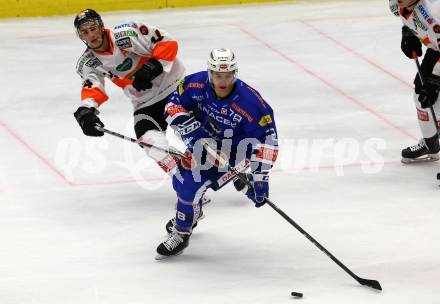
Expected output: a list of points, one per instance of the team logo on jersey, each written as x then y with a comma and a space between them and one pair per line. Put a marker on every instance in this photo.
144, 30
224, 111
436, 28
265, 120
125, 65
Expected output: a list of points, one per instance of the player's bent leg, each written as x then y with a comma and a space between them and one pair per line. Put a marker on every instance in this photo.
150, 127
188, 211
182, 188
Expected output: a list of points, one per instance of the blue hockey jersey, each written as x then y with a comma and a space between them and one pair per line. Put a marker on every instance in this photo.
243, 120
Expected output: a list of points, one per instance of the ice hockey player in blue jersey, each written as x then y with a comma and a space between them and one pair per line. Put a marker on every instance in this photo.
217, 109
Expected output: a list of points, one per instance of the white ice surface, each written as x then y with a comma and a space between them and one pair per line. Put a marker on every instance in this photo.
79, 223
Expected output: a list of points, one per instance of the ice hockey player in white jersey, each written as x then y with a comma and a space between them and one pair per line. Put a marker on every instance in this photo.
421, 24
140, 59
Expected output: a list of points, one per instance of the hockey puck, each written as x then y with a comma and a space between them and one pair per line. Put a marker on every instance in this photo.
296, 294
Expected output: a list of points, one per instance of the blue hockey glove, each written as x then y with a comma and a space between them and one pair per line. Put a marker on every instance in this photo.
191, 131
260, 191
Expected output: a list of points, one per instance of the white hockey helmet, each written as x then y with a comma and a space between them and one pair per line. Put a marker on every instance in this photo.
222, 60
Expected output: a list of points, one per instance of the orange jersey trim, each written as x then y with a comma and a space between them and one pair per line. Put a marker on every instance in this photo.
426, 41
165, 50
95, 93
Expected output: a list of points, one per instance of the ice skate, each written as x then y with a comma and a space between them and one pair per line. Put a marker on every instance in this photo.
174, 245
421, 153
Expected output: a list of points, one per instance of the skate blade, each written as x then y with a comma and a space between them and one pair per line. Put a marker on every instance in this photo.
160, 257
428, 158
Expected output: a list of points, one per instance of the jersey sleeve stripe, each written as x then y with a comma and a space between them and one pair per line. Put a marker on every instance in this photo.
94, 93
166, 50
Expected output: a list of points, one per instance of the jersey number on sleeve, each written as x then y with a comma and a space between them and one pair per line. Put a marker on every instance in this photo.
158, 38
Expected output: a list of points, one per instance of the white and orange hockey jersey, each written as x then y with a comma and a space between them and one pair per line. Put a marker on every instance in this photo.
132, 44
424, 21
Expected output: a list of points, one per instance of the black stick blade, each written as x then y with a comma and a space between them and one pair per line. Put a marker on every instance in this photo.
370, 283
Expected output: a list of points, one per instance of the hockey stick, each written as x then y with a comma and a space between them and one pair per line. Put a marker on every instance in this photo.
419, 71
141, 143
370, 283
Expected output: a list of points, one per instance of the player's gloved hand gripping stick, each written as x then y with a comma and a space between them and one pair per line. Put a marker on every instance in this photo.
222, 162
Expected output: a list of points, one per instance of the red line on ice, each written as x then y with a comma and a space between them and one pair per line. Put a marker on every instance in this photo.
330, 85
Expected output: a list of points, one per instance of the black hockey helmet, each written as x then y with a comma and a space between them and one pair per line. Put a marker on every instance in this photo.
87, 15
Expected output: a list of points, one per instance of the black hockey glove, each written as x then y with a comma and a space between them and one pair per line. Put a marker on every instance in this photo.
88, 119
429, 61
410, 43
429, 92
146, 73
